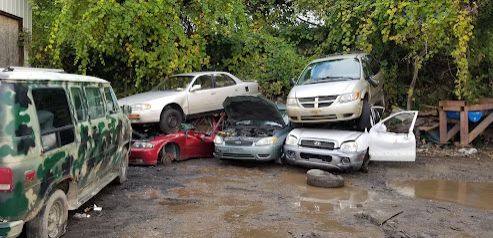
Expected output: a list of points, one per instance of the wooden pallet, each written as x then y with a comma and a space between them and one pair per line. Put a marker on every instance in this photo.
462, 126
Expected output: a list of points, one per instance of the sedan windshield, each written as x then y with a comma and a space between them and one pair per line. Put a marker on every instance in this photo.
174, 83
331, 70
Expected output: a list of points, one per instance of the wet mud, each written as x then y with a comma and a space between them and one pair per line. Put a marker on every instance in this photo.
210, 198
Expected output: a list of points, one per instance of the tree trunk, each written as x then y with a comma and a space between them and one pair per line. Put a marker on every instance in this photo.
410, 92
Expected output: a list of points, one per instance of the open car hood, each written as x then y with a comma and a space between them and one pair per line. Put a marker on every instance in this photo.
254, 108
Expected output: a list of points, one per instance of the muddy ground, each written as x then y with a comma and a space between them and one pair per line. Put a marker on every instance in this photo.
437, 196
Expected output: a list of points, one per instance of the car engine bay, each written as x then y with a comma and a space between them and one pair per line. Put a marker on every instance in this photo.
249, 131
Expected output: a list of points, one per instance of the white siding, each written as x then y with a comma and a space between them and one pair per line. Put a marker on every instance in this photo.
22, 9
19, 8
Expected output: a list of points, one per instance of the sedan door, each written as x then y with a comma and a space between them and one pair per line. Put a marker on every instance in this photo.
225, 87
202, 96
392, 139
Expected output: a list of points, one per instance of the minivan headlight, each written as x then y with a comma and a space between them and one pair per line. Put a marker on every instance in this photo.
349, 97
349, 147
267, 141
291, 101
218, 140
143, 145
291, 140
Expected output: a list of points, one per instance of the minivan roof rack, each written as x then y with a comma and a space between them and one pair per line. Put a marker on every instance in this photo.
11, 69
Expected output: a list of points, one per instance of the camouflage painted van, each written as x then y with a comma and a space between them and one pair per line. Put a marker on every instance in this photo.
63, 138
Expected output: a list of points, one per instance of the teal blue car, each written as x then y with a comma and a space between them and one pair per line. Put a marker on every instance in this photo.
255, 130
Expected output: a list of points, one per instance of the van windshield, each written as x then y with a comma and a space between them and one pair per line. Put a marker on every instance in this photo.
331, 70
174, 83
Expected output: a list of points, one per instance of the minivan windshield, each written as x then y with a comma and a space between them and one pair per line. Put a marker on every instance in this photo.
331, 70
174, 83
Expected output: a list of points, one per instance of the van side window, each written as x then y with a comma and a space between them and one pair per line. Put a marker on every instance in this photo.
79, 104
111, 103
95, 102
55, 120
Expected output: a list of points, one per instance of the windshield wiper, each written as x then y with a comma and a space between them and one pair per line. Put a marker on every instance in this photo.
329, 79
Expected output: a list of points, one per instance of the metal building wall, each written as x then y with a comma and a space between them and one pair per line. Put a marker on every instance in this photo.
21, 9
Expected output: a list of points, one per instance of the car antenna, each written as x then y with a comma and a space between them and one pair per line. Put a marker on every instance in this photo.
8, 69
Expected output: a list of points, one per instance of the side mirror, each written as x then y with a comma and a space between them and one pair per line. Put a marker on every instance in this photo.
196, 87
292, 81
127, 110
373, 82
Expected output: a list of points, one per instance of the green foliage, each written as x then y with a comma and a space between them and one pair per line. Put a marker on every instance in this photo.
269, 60
137, 43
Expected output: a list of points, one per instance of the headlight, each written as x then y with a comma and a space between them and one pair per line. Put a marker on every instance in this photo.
141, 107
218, 140
143, 145
291, 140
349, 97
267, 141
349, 147
291, 101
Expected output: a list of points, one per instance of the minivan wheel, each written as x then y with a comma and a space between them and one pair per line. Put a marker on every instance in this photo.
170, 120
51, 221
364, 120
122, 175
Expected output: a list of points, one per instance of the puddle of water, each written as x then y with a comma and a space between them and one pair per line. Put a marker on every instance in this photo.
478, 195
323, 200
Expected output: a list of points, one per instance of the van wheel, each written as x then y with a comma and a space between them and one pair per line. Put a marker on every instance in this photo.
51, 221
364, 120
170, 120
366, 162
122, 175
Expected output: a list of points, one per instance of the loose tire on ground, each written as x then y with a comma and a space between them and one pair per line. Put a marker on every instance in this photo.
170, 120
324, 179
51, 221
364, 120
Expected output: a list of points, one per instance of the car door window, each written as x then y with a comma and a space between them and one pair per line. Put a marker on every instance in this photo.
400, 123
111, 103
94, 102
374, 65
367, 67
205, 82
55, 120
224, 81
79, 104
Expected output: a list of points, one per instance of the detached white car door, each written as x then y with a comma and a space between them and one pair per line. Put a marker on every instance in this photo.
392, 139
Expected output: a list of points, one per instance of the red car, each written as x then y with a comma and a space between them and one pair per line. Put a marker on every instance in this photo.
181, 145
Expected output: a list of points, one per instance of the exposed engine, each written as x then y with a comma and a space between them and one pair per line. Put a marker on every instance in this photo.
248, 131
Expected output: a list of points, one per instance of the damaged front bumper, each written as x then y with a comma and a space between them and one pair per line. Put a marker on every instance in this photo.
11, 229
257, 153
323, 159
143, 156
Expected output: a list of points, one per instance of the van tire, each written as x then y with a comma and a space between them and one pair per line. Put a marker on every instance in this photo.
51, 221
123, 170
366, 162
170, 120
364, 120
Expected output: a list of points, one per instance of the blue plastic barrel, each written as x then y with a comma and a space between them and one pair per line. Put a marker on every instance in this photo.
473, 116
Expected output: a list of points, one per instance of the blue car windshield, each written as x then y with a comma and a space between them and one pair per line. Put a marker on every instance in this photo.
331, 70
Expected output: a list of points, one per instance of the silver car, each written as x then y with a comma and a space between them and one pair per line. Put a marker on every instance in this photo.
337, 88
185, 95
392, 139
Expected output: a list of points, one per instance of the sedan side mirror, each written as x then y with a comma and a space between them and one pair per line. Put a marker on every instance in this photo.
127, 110
196, 87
